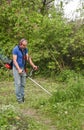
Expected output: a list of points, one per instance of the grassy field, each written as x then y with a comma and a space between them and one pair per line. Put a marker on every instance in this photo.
64, 110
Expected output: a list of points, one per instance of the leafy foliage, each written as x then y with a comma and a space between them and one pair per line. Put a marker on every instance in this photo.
54, 44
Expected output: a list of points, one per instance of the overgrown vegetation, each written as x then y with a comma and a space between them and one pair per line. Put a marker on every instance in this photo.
63, 110
57, 47
67, 104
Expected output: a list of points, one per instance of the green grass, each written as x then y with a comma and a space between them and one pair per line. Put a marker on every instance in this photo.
62, 111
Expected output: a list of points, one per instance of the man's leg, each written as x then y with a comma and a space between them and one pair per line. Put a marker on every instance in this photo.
17, 79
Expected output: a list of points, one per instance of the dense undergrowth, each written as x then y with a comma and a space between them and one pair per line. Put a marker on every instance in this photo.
54, 44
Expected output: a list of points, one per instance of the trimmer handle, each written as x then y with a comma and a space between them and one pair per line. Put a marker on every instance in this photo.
31, 72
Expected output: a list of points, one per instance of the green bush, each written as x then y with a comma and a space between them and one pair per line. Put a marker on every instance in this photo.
67, 74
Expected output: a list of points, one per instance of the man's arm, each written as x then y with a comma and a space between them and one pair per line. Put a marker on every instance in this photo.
31, 62
16, 64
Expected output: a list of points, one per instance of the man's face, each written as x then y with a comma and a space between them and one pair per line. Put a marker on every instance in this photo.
23, 45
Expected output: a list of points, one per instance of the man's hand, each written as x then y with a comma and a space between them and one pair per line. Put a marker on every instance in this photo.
35, 67
20, 71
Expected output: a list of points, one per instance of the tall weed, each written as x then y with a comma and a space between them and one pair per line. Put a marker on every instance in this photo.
67, 104
73, 90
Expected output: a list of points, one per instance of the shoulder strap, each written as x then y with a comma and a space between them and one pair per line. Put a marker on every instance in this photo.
24, 57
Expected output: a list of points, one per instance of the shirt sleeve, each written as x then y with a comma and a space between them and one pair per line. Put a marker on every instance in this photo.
14, 52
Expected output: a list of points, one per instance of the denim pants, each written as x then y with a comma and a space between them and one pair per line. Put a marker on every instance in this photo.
19, 80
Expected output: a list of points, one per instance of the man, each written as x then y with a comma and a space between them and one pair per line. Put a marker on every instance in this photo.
20, 56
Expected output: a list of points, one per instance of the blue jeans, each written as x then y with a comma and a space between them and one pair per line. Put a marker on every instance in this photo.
19, 80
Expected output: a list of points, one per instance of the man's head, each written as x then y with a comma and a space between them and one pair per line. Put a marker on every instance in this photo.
23, 43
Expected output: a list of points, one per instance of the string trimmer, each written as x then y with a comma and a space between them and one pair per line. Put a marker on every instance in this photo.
29, 77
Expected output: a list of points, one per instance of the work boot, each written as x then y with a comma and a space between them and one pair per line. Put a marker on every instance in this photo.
20, 101
23, 99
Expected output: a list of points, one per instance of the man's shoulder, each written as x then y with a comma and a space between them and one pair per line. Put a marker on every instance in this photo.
15, 48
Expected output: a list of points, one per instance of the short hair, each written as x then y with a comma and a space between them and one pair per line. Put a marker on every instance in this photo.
23, 39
